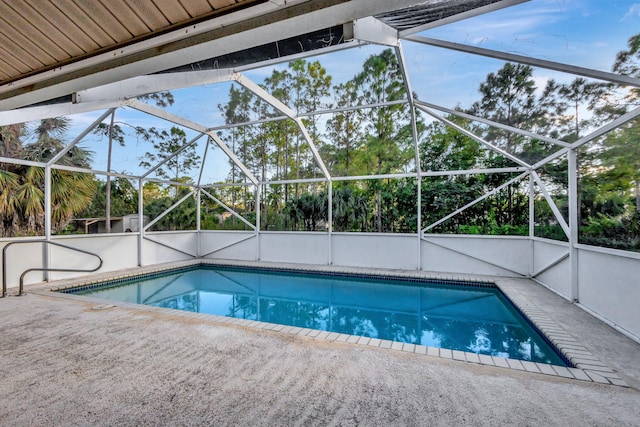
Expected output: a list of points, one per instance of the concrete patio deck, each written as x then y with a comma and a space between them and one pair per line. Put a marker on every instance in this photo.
70, 362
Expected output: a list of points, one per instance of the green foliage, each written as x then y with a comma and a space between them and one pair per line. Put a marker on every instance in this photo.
369, 141
183, 217
171, 148
22, 187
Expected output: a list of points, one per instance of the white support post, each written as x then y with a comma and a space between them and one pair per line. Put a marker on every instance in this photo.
46, 252
419, 220
573, 225
204, 160
532, 223
330, 220
198, 209
416, 147
140, 220
414, 130
257, 203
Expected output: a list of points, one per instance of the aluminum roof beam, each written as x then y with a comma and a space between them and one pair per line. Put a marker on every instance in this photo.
30, 114
494, 124
267, 22
373, 30
161, 114
542, 63
142, 85
474, 137
276, 103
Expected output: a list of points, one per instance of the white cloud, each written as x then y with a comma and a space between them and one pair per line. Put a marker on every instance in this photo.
633, 11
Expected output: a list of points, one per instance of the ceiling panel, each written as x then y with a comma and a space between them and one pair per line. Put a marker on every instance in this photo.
36, 36
122, 11
173, 10
150, 14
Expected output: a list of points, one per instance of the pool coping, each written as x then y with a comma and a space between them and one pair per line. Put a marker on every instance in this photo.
588, 367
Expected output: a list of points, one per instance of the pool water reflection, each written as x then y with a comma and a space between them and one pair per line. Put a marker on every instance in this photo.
467, 318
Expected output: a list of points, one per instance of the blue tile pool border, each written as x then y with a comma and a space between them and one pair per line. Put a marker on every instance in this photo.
375, 277
387, 278
586, 366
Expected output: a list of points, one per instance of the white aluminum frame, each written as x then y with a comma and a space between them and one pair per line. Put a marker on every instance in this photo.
113, 89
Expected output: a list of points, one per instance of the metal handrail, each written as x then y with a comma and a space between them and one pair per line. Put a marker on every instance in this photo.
24, 273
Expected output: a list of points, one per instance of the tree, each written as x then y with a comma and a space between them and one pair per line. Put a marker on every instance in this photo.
387, 130
350, 209
308, 208
166, 146
344, 130
508, 97
182, 217
22, 187
114, 131
628, 63
238, 110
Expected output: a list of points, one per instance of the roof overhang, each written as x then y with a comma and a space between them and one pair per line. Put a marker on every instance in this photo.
249, 25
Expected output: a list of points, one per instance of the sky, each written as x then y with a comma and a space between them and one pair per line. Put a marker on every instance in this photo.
586, 33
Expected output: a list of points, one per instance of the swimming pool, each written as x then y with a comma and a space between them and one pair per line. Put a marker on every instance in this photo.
471, 317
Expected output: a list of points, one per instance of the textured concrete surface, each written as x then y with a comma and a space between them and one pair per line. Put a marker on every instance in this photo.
64, 362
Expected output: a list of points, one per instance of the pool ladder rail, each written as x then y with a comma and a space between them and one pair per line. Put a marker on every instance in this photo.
29, 270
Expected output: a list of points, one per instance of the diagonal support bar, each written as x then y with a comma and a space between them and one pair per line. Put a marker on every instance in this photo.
174, 154
73, 143
228, 209
224, 147
494, 124
264, 95
276, 103
535, 62
608, 127
552, 204
473, 136
631, 115
161, 114
479, 199
169, 209
314, 150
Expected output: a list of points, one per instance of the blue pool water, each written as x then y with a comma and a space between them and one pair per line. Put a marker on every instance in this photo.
478, 319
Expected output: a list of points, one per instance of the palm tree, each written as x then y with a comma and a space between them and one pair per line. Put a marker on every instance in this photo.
22, 187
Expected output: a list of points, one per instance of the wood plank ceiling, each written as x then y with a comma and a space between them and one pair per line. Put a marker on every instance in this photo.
39, 35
